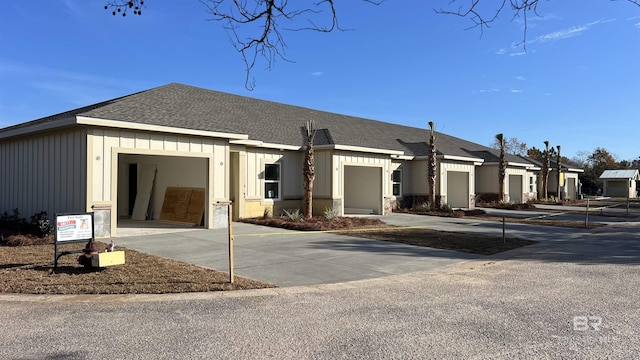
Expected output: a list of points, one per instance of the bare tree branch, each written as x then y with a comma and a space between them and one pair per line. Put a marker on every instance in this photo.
121, 7
255, 27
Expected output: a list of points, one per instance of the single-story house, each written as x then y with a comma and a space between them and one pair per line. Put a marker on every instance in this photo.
570, 187
620, 183
122, 158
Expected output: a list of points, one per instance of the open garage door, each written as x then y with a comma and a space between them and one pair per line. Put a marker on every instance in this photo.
172, 174
362, 190
458, 189
515, 189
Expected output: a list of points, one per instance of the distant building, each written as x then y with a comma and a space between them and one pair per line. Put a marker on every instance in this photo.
620, 183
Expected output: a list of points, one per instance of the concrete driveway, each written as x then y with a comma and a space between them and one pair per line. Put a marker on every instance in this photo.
289, 258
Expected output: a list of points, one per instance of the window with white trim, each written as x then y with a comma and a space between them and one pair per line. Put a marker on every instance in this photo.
531, 184
396, 182
272, 181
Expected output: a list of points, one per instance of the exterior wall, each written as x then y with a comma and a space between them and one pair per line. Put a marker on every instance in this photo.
105, 146
416, 179
571, 186
44, 172
291, 184
349, 158
531, 186
487, 181
519, 175
455, 168
392, 201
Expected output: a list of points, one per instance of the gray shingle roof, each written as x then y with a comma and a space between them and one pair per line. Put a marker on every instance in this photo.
182, 106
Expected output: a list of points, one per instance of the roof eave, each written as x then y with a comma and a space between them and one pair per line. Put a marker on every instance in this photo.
157, 128
37, 127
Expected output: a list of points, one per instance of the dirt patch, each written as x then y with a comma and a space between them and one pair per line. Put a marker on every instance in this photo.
469, 243
319, 223
379, 230
27, 269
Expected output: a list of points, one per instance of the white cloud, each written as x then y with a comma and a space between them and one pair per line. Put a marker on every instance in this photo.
520, 78
569, 32
317, 73
501, 52
521, 53
492, 90
515, 91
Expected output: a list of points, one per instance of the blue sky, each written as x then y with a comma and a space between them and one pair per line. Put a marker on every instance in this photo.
577, 85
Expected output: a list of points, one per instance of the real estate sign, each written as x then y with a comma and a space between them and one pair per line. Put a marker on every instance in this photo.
73, 227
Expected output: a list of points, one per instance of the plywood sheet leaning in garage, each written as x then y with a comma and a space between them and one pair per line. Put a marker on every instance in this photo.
183, 205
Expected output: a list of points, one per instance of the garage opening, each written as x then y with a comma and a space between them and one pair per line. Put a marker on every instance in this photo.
458, 189
515, 189
161, 193
362, 190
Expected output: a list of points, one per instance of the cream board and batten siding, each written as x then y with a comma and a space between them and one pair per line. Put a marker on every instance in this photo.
487, 179
290, 180
44, 172
353, 158
571, 193
445, 168
104, 146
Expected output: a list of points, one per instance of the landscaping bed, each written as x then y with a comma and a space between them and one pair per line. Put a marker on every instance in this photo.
26, 264
469, 243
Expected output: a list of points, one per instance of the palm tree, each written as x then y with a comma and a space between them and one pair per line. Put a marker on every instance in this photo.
558, 174
502, 167
309, 172
431, 166
545, 170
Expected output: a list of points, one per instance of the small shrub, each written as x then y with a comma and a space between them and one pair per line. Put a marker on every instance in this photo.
331, 214
422, 206
293, 215
446, 207
38, 224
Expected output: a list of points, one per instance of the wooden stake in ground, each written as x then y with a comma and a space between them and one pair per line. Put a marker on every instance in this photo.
231, 275
586, 215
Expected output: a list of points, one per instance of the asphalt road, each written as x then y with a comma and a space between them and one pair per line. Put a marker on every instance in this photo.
572, 297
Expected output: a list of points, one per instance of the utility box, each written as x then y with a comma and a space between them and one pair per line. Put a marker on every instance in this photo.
105, 259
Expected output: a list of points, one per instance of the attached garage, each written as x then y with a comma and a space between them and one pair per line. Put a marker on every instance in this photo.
363, 190
143, 181
515, 188
458, 189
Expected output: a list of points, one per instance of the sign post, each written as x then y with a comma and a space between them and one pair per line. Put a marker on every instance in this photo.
231, 275
72, 228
